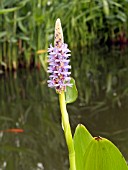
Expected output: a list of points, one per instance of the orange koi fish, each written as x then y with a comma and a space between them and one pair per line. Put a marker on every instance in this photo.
13, 130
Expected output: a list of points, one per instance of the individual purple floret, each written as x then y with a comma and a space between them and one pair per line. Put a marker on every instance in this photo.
58, 68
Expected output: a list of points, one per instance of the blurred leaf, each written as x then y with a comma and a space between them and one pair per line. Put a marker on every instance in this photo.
41, 51
2, 34
4, 11
20, 5
109, 82
22, 27
82, 138
3, 118
12, 20
105, 7
121, 16
43, 60
23, 37
71, 92
8, 3
23, 3
102, 154
115, 4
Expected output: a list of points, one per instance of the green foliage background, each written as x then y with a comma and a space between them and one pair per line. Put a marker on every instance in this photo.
27, 26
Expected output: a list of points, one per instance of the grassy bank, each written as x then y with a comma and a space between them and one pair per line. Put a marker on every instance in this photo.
27, 26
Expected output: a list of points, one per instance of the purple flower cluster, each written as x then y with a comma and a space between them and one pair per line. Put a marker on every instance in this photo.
59, 67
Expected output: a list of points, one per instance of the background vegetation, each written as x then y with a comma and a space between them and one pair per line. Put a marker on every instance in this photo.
28, 26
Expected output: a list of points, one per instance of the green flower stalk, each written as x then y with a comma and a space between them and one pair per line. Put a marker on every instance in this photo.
59, 79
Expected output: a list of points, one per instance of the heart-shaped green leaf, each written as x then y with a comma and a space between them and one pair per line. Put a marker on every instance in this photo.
102, 154
82, 138
71, 92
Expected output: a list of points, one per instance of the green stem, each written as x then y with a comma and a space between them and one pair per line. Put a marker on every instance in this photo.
67, 131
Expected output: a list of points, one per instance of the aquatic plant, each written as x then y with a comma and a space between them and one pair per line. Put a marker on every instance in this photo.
85, 152
58, 66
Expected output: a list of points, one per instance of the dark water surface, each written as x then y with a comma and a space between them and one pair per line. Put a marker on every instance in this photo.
26, 102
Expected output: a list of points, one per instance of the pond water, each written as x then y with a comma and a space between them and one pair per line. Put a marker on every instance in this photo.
27, 103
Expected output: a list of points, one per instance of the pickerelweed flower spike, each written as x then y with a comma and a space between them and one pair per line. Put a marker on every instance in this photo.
58, 60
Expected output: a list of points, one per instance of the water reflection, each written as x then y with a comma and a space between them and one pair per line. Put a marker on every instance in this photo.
27, 103
103, 94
